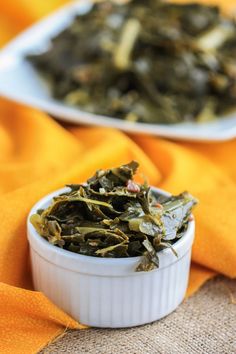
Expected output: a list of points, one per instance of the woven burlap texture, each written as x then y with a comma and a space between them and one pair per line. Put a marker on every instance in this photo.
203, 324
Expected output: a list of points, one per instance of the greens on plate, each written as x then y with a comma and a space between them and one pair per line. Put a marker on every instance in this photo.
149, 61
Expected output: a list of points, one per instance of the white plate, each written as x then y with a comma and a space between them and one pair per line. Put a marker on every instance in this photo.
21, 83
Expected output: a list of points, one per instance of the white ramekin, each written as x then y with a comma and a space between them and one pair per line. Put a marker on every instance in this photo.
105, 292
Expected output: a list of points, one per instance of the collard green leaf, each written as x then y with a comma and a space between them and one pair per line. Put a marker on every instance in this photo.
118, 250
176, 212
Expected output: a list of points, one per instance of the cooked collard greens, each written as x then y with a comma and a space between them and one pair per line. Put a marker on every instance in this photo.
113, 216
147, 61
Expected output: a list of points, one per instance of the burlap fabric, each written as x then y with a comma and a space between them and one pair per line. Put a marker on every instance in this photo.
203, 324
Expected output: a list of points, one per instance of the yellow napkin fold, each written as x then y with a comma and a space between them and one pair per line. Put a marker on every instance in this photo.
37, 156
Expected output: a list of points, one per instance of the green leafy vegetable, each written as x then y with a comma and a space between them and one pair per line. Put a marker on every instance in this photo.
113, 216
149, 61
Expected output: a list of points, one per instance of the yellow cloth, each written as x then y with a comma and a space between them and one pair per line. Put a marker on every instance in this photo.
37, 155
